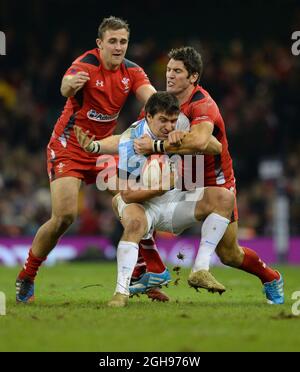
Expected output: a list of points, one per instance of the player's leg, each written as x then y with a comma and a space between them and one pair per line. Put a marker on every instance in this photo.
134, 221
246, 259
150, 254
64, 198
149, 261
215, 207
145, 282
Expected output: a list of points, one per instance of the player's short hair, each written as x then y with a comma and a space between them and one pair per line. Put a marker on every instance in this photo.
191, 59
112, 23
163, 102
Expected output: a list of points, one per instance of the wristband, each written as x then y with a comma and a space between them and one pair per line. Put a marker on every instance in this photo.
95, 147
158, 146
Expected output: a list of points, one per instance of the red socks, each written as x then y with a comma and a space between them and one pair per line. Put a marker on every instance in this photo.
31, 266
149, 252
140, 268
254, 265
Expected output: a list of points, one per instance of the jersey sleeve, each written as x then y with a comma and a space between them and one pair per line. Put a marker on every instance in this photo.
130, 163
126, 152
202, 111
124, 149
139, 78
76, 67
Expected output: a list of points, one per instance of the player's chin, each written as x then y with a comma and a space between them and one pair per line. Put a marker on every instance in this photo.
171, 89
118, 58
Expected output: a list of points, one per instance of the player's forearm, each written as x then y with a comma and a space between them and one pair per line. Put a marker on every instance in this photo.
66, 88
214, 147
192, 144
109, 145
139, 196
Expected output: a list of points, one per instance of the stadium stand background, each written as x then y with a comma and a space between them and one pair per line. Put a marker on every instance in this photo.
248, 69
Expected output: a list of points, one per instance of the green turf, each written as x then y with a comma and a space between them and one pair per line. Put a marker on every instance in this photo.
68, 317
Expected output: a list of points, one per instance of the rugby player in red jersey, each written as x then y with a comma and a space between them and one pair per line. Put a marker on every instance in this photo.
184, 70
97, 85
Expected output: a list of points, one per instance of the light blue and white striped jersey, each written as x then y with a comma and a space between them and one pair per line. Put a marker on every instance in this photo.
131, 163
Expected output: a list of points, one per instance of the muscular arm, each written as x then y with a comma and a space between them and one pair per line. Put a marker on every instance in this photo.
109, 145
144, 92
214, 147
139, 196
71, 84
199, 139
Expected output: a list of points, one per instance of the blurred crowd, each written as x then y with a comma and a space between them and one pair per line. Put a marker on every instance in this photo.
257, 89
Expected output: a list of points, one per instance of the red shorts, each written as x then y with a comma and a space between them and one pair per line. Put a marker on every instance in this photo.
72, 161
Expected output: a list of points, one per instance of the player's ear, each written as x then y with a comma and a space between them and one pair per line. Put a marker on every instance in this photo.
99, 43
148, 117
194, 77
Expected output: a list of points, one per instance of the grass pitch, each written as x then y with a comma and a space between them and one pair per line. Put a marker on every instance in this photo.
71, 315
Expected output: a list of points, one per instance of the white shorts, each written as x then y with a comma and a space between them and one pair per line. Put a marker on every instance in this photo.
173, 212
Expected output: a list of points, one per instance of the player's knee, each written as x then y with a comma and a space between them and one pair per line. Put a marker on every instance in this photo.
134, 227
64, 220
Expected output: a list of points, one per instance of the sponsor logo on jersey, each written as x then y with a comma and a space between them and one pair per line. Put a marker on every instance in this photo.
98, 116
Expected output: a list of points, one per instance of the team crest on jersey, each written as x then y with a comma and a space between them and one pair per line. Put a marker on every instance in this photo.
99, 83
60, 167
126, 82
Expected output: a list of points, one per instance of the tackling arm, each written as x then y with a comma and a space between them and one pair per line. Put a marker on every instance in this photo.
139, 196
144, 92
199, 139
109, 145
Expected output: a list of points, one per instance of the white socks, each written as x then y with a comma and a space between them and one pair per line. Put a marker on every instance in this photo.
127, 255
213, 229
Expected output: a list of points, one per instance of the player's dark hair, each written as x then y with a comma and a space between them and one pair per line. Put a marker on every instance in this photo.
112, 23
162, 102
191, 59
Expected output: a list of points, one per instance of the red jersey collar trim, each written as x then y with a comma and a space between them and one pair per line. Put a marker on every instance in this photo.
190, 97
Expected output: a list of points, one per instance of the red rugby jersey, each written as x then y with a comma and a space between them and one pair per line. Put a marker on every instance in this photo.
97, 105
199, 108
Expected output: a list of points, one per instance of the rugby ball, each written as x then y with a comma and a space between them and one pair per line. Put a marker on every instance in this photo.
156, 169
